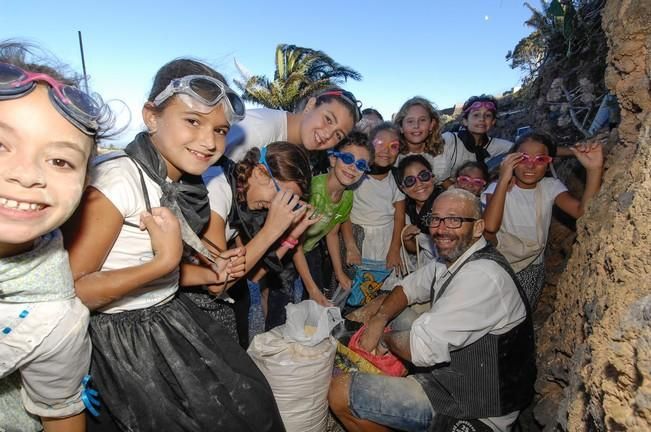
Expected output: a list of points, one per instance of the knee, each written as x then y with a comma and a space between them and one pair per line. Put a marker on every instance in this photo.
338, 394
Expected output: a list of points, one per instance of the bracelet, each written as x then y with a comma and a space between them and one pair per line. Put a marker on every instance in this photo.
289, 243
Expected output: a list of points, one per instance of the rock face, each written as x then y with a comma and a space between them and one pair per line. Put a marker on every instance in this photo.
595, 348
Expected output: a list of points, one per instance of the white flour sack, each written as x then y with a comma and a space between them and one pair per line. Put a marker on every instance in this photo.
297, 360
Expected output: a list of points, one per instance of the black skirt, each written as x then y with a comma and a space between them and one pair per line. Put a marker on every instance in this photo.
173, 368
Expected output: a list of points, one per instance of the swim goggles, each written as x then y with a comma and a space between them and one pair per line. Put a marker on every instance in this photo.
263, 161
393, 146
424, 176
481, 104
349, 158
467, 180
536, 160
80, 109
201, 93
347, 97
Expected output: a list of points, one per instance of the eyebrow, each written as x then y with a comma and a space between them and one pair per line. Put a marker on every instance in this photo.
70, 145
224, 125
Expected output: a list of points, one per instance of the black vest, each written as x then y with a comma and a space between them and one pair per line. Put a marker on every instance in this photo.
492, 377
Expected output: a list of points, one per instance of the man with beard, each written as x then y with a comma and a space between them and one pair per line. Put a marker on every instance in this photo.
472, 352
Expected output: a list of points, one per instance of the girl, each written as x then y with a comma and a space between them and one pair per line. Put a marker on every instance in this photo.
472, 176
48, 132
370, 118
159, 362
248, 209
378, 213
519, 205
473, 143
417, 183
331, 197
326, 119
420, 129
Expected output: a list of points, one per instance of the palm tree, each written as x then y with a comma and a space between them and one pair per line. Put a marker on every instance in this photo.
299, 73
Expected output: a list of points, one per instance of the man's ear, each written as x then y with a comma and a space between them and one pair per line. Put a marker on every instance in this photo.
310, 105
478, 228
150, 117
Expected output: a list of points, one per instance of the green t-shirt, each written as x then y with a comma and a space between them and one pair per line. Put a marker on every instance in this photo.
333, 213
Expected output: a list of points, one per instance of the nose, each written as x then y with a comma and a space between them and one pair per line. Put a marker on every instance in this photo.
210, 141
26, 173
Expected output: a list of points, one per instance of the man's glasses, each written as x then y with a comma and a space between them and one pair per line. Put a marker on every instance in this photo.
451, 222
424, 176
471, 181
536, 160
349, 158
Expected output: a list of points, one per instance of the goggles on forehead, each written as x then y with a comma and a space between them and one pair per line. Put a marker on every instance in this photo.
80, 109
393, 146
204, 92
481, 104
536, 160
462, 179
348, 98
349, 158
424, 176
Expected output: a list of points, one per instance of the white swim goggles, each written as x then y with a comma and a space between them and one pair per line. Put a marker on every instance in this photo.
202, 93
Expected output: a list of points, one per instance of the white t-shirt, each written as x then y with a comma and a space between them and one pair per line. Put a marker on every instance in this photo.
221, 198
456, 153
439, 164
519, 217
119, 180
260, 127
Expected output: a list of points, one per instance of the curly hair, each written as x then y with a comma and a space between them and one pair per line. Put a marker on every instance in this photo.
434, 142
288, 163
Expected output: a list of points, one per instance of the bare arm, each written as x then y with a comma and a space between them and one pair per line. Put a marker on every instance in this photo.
393, 257
392, 305
591, 157
75, 423
334, 250
353, 254
399, 344
89, 237
304, 272
495, 202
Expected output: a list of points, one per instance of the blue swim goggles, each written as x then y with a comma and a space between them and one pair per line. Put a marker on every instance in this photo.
349, 158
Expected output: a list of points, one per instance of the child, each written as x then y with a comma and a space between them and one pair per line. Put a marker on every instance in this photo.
420, 129
248, 209
370, 118
519, 205
158, 361
48, 132
417, 183
472, 176
473, 143
326, 119
333, 200
378, 213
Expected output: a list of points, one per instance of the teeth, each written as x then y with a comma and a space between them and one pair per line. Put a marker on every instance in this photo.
22, 206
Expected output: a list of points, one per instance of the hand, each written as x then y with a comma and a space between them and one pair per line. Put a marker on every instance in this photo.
283, 212
343, 280
165, 236
229, 266
320, 299
309, 218
353, 257
590, 155
372, 335
507, 166
410, 232
393, 261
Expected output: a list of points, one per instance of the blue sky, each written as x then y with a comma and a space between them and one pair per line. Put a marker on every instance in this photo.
443, 50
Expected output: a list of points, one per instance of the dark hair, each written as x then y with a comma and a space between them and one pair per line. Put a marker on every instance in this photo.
34, 59
357, 139
480, 98
474, 164
178, 68
540, 137
408, 161
372, 111
348, 99
288, 162
434, 143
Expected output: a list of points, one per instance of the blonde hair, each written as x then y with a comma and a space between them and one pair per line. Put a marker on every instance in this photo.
434, 142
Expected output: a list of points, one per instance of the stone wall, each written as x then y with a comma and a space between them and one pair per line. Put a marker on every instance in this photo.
595, 348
